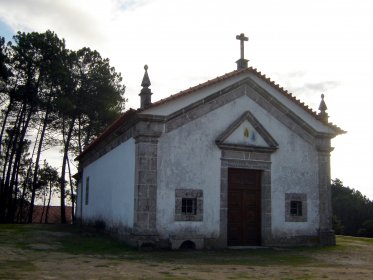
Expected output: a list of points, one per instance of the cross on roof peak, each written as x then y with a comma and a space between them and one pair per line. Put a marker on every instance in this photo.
242, 38
242, 62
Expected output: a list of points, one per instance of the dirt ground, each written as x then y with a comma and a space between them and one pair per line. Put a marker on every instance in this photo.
55, 252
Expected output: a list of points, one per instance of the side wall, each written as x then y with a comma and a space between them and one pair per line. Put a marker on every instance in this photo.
111, 188
79, 205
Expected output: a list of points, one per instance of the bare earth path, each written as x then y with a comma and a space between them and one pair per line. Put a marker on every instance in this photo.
68, 252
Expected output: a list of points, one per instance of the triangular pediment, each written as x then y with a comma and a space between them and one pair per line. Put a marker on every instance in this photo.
248, 134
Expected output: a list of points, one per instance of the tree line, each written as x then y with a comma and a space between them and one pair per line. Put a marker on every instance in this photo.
50, 96
352, 211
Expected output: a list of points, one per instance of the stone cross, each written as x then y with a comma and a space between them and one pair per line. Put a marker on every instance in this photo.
242, 38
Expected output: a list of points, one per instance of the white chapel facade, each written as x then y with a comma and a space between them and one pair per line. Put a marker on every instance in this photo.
235, 161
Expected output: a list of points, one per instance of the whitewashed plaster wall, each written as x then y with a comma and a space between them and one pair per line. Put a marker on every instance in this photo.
189, 158
111, 187
79, 205
294, 170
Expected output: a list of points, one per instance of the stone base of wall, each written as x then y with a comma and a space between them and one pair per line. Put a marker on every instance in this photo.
153, 240
293, 241
146, 241
140, 241
215, 243
177, 241
125, 234
174, 243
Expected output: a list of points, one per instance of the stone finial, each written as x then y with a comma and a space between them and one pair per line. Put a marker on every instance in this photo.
323, 114
145, 80
242, 62
146, 92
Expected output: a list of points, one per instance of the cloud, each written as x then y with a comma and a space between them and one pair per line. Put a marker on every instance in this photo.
84, 22
126, 5
310, 92
317, 87
295, 74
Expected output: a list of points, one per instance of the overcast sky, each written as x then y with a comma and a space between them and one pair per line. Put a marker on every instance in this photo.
308, 47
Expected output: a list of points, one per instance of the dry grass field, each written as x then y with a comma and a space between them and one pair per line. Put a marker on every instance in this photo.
68, 252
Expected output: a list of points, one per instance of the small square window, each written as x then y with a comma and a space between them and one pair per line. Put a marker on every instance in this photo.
189, 206
296, 208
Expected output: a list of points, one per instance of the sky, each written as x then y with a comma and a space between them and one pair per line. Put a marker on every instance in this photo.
308, 47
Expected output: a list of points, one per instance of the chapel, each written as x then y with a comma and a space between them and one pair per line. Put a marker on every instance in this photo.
234, 161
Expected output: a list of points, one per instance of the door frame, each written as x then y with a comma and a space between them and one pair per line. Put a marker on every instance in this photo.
246, 160
258, 187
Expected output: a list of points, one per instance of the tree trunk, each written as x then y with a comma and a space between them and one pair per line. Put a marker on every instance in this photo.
9, 149
21, 211
8, 162
42, 213
13, 203
72, 192
79, 134
36, 169
26, 181
63, 171
18, 158
49, 202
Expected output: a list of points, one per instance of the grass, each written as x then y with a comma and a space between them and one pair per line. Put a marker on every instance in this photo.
258, 257
20, 268
92, 244
29, 248
77, 241
348, 239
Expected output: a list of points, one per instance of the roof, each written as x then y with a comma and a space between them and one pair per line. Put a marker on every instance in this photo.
131, 112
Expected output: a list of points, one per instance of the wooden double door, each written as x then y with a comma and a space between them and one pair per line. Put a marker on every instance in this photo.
244, 207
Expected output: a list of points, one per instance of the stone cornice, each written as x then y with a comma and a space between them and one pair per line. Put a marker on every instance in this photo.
246, 148
146, 137
323, 145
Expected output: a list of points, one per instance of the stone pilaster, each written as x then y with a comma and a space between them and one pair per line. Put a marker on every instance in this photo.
146, 185
326, 232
